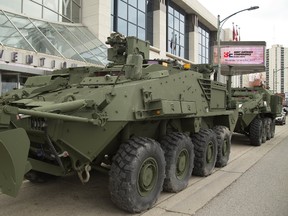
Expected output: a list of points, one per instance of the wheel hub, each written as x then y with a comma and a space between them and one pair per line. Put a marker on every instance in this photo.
182, 164
209, 154
147, 177
225, 147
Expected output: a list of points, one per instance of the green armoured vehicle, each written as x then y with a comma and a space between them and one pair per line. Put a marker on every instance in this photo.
258, 108
150, 123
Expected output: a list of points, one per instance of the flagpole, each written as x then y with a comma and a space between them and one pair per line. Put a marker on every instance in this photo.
220, 24
233, 32
239, 34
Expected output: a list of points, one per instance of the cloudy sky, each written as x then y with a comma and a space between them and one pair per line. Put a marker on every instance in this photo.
268, 23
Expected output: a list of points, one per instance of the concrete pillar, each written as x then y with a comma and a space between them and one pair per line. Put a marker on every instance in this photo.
97, 17
159, 27
192, 25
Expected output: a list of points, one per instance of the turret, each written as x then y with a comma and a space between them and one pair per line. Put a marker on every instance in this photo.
122, 47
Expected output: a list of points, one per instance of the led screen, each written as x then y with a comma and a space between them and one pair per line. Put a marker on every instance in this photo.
241, 55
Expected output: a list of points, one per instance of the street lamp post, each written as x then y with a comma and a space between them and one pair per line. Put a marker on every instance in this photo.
219, 28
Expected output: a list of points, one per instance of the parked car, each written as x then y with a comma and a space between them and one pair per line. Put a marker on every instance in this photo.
281, 120
285, 110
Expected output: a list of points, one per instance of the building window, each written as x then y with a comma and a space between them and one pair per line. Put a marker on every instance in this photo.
176, 30
282, 70
267, 69
133, 18
50, 10
203, 44
9, 82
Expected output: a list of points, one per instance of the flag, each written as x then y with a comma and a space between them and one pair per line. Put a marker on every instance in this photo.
233, 33
179, 46
175, 43
172, 41
236, 34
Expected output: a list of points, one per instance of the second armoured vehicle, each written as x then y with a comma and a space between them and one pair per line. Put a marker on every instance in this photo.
258, 108
150, 123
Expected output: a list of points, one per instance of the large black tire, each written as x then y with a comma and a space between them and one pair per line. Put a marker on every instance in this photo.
269, 124
179, 156
265, 130
223, 136
272, 128
256, 132
37, 177
137, 174
205, 148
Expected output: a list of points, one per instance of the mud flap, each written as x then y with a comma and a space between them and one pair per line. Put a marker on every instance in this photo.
14, 148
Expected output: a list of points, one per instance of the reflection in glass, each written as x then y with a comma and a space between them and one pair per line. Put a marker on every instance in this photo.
91, 42
57, 41
10, 36
78, 46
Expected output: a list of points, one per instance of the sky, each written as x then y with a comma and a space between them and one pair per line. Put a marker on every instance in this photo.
268, 23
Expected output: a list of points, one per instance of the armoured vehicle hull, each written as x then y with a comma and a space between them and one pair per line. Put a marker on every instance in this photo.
150, 123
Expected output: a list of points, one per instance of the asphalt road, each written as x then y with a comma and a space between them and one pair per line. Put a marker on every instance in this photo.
68, 197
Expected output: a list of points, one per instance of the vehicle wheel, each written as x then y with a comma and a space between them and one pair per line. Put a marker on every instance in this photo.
205, 148
264, 135
179, 156
256, 132
223, 136
269, 124
272, 128
37, 177
137, 174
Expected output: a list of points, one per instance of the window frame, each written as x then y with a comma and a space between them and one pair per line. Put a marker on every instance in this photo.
176, 41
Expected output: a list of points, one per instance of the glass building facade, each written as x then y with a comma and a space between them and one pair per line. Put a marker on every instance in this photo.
133, 18
70, 41
50, 10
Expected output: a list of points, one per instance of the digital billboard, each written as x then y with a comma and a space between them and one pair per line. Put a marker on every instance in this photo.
243, 56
